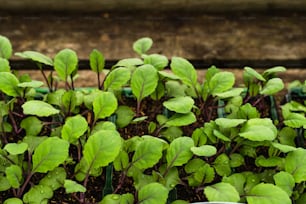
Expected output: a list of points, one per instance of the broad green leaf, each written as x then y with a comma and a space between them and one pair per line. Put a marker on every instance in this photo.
259, 129
16, 148
73, 187
204, 151
181, 104
104, 105
38, 194
287, 136
9, 84
4, 65
13, 201
157, 60
33, 142
222, 165
50, 154
229, 123
55, 98
221, 82
39, 108
237, 180
130, 63
96, 61
103, 125
54, 179
285, 181
284, 148
221, 192
265, 193
181, 119
122, 161
268, 162
221, 136
153, 193
230, 93
31, 84
5, 47
126, 198
124, 116
142, 45
236, 160
179, 151
252, 73
295, 166
295, 120
14, 175
171, 178
65, 63
199, 137
144, 81
69, 100
272, 86
102, 148
74, 128
272, 71
32, 125
199, 172
117, 78
36, 57
4, 183
185, 70
247, 111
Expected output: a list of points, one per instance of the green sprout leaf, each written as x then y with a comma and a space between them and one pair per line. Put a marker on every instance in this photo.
13, 201
222, 165
265, 193
222, 192
268, 162
9, 84
74, 128
204, 151
229, 123
39, 108
73, 187
38, 194
157, 60
179, 151
181, 104
4, 183
199, 172
54, 179
31, 84
185, 70
124, 116
117, 78
272, 86
5, 47
65, 63
14, 175
179, 119
126, 198
142, 45
16, 148
104, 105
33, 142
252, 73
285, 181
32, 125
36, 57
97, 61
237, 180
49, 154
294, 166
153, 193
221, 82
4, 65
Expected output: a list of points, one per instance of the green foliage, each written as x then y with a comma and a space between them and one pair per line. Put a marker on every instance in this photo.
222, 192
65, 63
36, 57
104, 105
142, 45
39, 108
97, 61
74, 128
9, 84
153, 193
5, 47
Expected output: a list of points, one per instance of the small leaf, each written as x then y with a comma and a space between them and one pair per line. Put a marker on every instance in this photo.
4, 65
229, 123
285, 181
36, 57
181, 104
16, 148
153, 193
181, 119
39, 108
117, 78
221, 82
104, 105
13, 201
33, 142
204, 151
73, 187
283, 148
268, 162
294, 166
49, 154
65, 63
253, 73
265, 193
9, 84
179, 151
157, 60
272, 86
224, 192
230, 93
124, 116
272, 71
74, 128
32, 125
142, 45
38, 194
237, 180
5, 47
54, 179
31, 84
4, 183
126, 198
14, 175
222, 165
185, 70
97, 61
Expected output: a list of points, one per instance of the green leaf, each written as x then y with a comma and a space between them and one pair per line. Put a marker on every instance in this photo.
268, 162
4, 183
294, 166
102, 148
38, 194
230, 93
153, 193
221, 82
229, 123
236, 160
221, 192
16, 148
204, 150
182, 104
237, 180
33, 142
222, 165
65, 63
104, 105
252, 73
13, 201
9, 84
96, 61
73, 187
39, 108
285, 181
179, 152
199, 172
36, 57
130, 63
126, 198
142, 45
31, 84
272, 71
69, 100
283, 148
122, 161
49, 154
74, 128
272, 86
14, 175
32, 125
157, 60
221, 136
265, 193
287, 136
117, 78
259, 129
144, 81
5, 47
124, 116
4, 65
54, 179
103, 125
185, 70
179, 119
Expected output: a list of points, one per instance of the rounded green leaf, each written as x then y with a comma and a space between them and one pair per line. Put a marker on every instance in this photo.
205, 150
181, 104
16, 148
295, 166
65, 62
5, 47
157, 60
36, 57
185, 70
268, 162
142, 45
97, 61
32, 125
4, 65
31, 84
265, 193
50, 154
117, 78
179, 119
104, 105
285, 181
39, 108
9, 84
13, 201
230, 93
179, 151
126, 198
14, 175
38, 194
124, 116
4, 183
54, 178
252, 73
221, 82
229, 123
222, 165
222, 192
144, 81
153, 193
283, 148
74, 128
272, 86
73, 187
